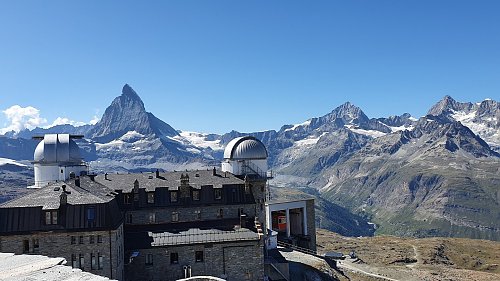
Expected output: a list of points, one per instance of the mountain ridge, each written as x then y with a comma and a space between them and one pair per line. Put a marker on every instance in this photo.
411, 176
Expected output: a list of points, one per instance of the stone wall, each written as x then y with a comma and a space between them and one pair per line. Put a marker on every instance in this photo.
164, 215
259, 192
61, 244
230, 260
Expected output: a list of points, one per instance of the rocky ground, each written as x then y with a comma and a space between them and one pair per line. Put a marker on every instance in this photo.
395, 258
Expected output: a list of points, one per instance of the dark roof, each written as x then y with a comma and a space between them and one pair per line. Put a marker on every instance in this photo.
48, 197
141, 237
172, 180
197, 236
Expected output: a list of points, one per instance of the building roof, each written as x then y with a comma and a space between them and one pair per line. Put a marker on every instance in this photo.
171, 180
246, 147
35, 267
48, 197
57, 148
199, 236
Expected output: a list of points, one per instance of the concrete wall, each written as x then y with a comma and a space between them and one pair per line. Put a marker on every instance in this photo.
230, 260
59, 244
311, 223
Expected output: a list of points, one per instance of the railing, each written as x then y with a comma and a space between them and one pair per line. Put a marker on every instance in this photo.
298, 249
250, 168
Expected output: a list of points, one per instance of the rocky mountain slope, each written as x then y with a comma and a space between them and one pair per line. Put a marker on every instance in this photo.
438, 175
483, 117
440, 179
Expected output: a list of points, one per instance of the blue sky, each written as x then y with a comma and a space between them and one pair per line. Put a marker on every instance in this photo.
214, 66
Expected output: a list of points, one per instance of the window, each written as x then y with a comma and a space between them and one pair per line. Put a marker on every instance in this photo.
73, 239
174, 258
175, 216
173, 196
36, 244
100, 261
26, 246
129, 218
74, 262
281, 220
198, 256
149, 259
81, 258
93, 261
196, 195
91, 239
197, 214
80, 239
127, 198
152, 217
220, 213
90, 214
151, 197
218, 194
50, 217
99, 238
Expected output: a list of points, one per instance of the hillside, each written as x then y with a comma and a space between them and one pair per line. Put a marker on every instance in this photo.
413, 259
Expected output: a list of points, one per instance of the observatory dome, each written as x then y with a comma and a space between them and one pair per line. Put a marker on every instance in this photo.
58, 148
245, 148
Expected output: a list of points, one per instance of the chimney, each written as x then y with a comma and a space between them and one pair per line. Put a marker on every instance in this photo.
157, 173
92, 177
214, 172
106, 176
77, 181
63, 198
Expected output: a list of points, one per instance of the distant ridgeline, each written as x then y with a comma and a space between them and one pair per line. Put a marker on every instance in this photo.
436, 175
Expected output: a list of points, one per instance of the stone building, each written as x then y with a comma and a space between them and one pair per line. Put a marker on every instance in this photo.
145, 226
78, 220
189, 223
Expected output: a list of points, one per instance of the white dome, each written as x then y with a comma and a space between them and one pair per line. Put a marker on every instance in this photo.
57, 148
245, 148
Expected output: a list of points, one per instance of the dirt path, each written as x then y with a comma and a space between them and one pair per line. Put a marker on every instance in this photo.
417, 257
348, 265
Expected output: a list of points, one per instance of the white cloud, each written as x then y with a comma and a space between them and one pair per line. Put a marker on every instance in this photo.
21, 118
64, 121
94, 120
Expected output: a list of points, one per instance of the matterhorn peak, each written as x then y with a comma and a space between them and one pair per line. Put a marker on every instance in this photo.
129, 96
127, 113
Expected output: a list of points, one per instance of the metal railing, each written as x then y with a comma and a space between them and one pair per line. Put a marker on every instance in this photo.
252, 169
298, 249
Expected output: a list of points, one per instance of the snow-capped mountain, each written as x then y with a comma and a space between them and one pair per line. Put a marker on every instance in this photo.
427, 173
483, 118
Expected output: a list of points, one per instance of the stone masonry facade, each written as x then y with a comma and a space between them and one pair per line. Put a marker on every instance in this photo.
105, 248
187, 214
232, 261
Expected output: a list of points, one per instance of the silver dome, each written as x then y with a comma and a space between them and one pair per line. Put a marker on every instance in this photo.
57, 148
245, 148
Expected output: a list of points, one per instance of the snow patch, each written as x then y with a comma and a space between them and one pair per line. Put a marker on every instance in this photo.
306, 123
131, 140
370, 133
311, 140
401, 128
463, 116
198, 140
5, 161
